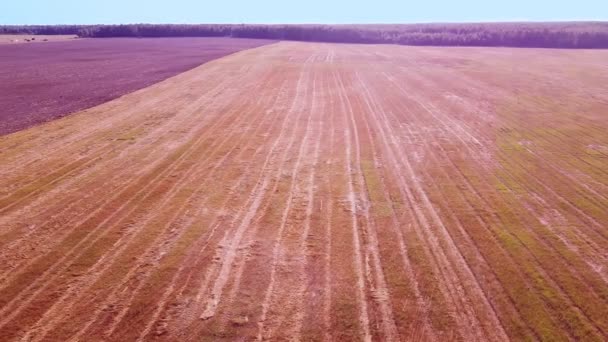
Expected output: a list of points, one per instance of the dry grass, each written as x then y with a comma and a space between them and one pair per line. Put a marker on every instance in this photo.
441, 203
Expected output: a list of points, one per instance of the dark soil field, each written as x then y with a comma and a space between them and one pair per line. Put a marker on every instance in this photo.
41, 82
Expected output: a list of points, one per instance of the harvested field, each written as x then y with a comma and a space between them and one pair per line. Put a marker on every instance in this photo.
317, 191
41, 82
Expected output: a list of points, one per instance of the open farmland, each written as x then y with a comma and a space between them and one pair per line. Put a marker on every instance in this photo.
318, 191
41, 82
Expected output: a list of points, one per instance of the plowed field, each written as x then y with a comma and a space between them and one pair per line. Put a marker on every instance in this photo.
317, 191
46, 81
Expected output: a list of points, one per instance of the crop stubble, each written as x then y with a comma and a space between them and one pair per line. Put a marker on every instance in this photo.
319, 191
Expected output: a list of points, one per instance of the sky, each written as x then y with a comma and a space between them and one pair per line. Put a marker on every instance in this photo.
302, 11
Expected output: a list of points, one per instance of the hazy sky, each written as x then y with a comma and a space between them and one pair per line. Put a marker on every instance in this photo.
300, 11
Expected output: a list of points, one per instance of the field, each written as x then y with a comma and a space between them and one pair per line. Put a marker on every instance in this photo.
41, 82
25, 38
313, 191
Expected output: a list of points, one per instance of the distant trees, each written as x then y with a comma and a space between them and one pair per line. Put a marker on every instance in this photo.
41, 29
546, 35
150, 30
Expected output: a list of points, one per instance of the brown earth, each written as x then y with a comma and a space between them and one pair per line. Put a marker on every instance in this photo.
41, 82
319, 192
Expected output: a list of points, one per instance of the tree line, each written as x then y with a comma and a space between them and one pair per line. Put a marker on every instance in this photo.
543, 35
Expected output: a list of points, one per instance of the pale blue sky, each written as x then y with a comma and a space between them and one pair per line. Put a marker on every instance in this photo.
301, 11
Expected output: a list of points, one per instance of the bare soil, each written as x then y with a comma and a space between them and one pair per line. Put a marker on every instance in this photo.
42, 82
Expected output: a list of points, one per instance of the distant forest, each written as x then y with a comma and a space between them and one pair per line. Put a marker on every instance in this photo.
544, 35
